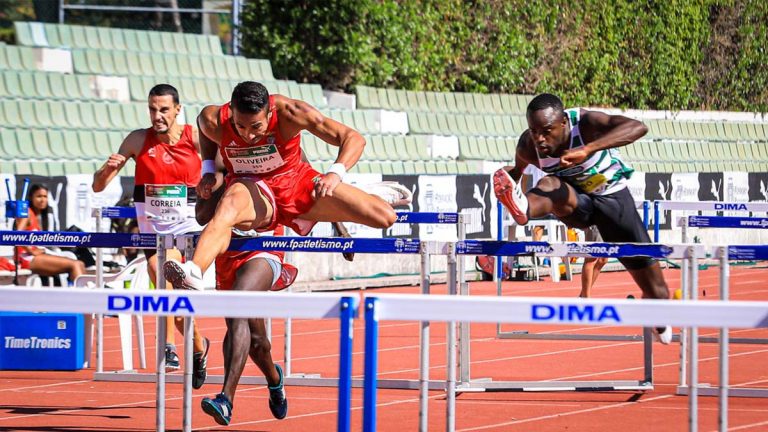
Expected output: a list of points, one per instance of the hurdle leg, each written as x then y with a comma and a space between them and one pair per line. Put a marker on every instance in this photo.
693, 402
99, 317
162, 242
346, 318
722, 420
450, 385
371, 365
189, 330
464, 326
424, 345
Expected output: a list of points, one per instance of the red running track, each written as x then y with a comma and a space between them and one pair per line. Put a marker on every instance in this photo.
73, 402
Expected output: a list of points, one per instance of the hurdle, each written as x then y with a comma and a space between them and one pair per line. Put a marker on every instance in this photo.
523, 334
715, 206
442, 218
533, 310
724, 254
613, 250
192, 304
99, 215
186, 242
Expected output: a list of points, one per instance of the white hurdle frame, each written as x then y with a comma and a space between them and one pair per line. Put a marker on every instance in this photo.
211, 304
643, 384
648, 313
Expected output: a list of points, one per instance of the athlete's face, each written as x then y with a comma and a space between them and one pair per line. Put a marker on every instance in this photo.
163, 112
251, 127
39, 199
549, 130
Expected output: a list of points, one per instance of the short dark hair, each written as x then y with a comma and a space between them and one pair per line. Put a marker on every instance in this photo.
544, 101
250, 97
165, 90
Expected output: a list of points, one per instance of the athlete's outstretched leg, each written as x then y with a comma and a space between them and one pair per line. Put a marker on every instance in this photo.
550, 196
242, 206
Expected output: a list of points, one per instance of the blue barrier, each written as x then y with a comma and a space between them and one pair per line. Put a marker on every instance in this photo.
727, 222
610, 250
118, 212
75, 239
427, 218
402, 217
333, 244
747, 252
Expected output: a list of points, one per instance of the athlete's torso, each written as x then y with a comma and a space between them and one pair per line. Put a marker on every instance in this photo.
166, 177
602, 173
272, 155
162, 163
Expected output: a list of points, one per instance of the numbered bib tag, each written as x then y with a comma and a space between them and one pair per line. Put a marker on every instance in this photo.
166, 202
255, 160
592, 184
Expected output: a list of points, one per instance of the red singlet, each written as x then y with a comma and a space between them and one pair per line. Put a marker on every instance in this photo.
276, 162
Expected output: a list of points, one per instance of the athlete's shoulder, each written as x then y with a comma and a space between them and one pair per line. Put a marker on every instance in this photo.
133, 143
208, 121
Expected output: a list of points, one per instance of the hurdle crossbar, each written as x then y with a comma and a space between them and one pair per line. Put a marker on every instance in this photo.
646, 313
193, 304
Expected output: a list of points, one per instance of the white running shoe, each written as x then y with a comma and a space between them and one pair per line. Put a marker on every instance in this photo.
664, 336
511, 196
393, 193
184, 275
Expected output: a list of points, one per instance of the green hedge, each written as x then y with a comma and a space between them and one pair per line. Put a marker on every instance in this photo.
655, 54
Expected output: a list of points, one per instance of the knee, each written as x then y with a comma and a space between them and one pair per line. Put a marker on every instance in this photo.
548, 184
228, 209
384, 217
261, 343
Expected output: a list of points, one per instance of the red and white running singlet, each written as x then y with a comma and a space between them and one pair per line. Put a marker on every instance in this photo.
274, 162
166, 177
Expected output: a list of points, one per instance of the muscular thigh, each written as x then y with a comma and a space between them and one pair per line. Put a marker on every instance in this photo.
254, 275
261, 206
617, 219
348, 204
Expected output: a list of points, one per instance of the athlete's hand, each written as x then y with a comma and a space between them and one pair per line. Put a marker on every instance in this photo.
325, 185
573, 157
206, 186
115, 161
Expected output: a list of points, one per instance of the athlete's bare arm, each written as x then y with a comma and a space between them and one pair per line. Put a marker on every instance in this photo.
296, 115
130, 148
209, 136
603, 131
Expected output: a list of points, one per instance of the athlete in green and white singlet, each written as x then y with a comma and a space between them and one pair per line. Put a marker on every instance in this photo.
586, 183
602, 173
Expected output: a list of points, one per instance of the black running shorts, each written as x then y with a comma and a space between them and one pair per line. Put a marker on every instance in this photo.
615, 216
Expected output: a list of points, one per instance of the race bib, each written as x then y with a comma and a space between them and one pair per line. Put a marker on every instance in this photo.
255, 160
593, 183
166, 202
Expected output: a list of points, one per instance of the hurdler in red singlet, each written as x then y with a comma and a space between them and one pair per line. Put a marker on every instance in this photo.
275, 165
258, 137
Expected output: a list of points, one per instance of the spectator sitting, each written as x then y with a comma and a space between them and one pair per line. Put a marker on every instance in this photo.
39, 260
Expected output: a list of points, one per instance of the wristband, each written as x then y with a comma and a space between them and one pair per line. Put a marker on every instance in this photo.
339, 169
209, 167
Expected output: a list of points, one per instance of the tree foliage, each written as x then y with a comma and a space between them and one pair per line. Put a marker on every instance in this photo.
653, 54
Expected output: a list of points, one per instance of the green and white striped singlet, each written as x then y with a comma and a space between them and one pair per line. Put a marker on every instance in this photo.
602, 173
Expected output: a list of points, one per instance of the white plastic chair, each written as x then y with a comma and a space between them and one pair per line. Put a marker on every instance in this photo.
133, 276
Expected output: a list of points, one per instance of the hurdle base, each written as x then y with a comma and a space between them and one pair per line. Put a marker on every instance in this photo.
309, 380
707, 390
552, 386
524, 334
